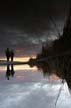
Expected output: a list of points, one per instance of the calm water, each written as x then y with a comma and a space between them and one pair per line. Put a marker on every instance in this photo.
28, 88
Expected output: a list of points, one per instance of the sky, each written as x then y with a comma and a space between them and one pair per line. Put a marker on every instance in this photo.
26, 26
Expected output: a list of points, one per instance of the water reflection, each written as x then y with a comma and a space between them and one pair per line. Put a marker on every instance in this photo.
46, 70
10, 71
55, 73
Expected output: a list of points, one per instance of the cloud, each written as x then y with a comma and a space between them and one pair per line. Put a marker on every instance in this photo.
30, 41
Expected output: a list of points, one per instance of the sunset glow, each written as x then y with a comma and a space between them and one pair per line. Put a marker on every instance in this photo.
21, 59
20, 67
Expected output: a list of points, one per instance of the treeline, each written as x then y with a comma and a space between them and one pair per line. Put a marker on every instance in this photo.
61, 45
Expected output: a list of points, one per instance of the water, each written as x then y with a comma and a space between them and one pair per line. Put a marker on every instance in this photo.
30, 89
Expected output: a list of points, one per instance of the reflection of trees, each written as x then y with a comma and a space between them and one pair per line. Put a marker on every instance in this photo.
45, 68
10, 72
62, 67
59, 65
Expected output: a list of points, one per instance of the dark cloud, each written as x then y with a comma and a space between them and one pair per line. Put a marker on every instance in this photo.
31, 15
27, 25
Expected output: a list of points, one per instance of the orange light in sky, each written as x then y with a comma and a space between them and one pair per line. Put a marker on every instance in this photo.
21, 59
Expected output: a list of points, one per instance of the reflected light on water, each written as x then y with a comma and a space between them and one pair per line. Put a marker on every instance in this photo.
21, 76
20, 67
25, 67
54, 77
